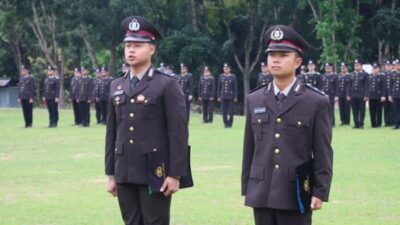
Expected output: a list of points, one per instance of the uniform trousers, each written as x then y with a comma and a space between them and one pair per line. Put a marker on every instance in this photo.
396, 115
375, 112
208, 111
187, 110
344, 109
98, 112
227, 112
52, 107
27, 109
268, 216
103, 109
358, 107
77, 115
84, 110
388, 112
139, 208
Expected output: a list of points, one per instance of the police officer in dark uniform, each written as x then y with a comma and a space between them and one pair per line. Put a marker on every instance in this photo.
85, 96
227, 91
264, 77
73, 92
329, 86
146, 116
96, 96
104, 93
376, 95
51, 95
394, 94
344, 104
358, 94
288, 123
302, 77
206, 94
26, 94
185, 80
314, 77
387, 105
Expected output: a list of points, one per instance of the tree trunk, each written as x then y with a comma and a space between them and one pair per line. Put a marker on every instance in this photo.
61, 104
82, 31
380, 51
113, 60
192, 14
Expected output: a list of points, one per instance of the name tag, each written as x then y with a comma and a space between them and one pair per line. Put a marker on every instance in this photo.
260, 110
120, 92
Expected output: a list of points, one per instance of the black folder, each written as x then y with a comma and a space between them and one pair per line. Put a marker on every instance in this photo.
158, 164
304, 184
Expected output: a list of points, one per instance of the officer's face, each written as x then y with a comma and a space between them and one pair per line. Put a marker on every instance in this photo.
104, 73
138, 53
311, 67
388, 67
85, 72
376, 70
357, 66
77, 74
283, 64
227, 70
302, 72
184, 70
343, 69
207, 73
24, 72
264, 69
50, 72
328, 69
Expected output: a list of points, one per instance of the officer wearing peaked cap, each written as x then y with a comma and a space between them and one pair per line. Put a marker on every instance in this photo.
26, 94
207, 94
387, 105
185, 80
344, 104
314, 77
73, 95
302, 77
264, 78
146, 117
329, 86
104, 92
96, 95
358, 94
288, 123
85, 96
227, 91
51, 95
394, 94
376, 95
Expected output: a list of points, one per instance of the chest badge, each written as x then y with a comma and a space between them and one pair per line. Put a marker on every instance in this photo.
119, 87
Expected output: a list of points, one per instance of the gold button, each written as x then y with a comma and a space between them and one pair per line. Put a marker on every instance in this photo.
276, 166
131, 115
132, 100
278, 120
117, 103
259, 120
131, 128
299, 123
277, 135
131, 141
154, 150
277, 151
145, 101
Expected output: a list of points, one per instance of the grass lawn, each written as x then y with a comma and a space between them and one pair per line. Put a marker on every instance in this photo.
56, 176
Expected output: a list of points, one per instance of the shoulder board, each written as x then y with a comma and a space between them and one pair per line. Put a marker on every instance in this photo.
120, 75
257, 88
164, 73
309, 86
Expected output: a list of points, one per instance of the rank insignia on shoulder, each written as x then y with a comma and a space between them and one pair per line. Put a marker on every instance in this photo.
120, 92
309, 86
260, 110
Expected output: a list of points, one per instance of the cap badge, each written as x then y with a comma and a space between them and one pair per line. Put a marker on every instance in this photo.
277, 34
134, 25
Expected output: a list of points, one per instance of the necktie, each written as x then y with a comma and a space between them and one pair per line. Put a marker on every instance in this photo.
280, 97
134, 82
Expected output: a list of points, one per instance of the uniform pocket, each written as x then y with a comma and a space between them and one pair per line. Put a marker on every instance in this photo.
257, 172
299, 121
147, 147
260, 123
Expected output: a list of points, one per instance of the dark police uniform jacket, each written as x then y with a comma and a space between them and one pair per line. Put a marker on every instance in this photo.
73, 90
315, 79
277, 141
96, 88
388, 81
85, 89
343, 83
303, 78
51, 88
27, 87
206, 88
376, 86
329, 85
358, 85
264, 79
186, 83
227, 88
394, 90
151, 119
104, 89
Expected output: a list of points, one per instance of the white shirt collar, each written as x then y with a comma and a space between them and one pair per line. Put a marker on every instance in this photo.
287, 89
140, 75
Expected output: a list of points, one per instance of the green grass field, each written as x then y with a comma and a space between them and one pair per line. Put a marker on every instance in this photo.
55, 176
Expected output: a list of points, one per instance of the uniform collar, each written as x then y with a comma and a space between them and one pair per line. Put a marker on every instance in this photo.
286, 90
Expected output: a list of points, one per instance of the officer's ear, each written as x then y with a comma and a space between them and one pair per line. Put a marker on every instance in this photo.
298, 60
152, 47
